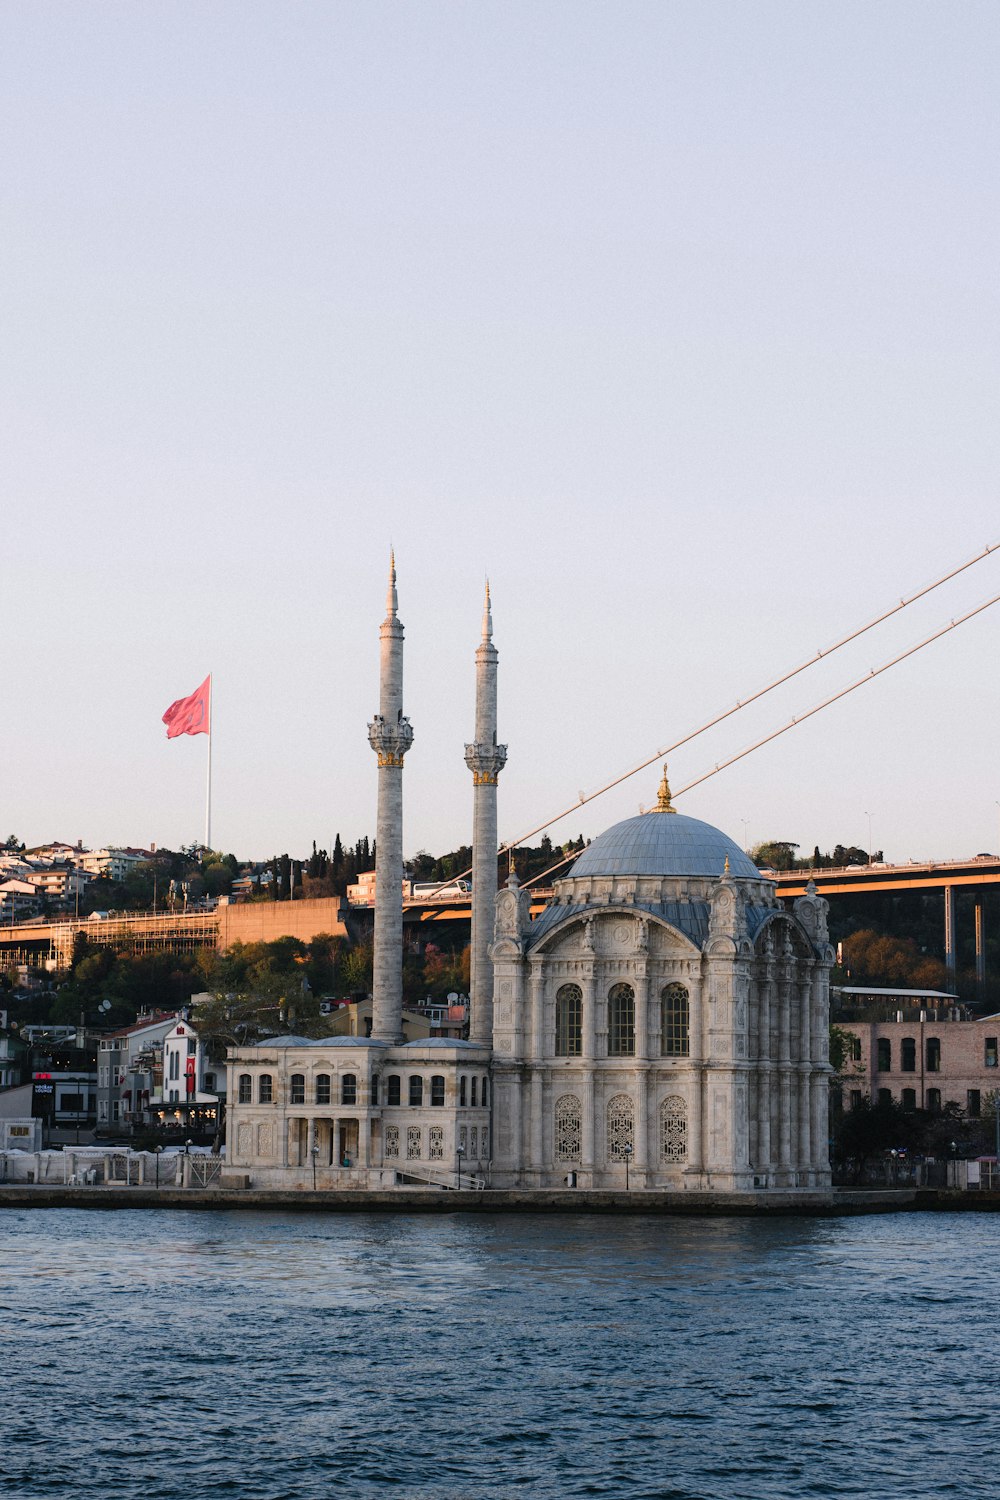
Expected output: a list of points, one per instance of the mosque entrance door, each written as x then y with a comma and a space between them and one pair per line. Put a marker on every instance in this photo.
348, 1138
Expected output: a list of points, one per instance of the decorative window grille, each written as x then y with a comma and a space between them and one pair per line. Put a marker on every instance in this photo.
675, 1022
246, 1088
265, 1089
569, 1021
436, 1147
391, 1142
322, 1088
673, 1129
349, 1089
244, 1138
463, 1137
568, 1128
297, 1094
621, 1128
484, 1145
474, 1142
621, 1021
413, 1144
265, 1140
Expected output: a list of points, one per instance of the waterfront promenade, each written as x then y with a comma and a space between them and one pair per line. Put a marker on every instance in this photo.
842, 1202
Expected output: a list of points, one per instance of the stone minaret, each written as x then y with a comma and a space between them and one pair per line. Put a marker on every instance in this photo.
485, 759
390, 736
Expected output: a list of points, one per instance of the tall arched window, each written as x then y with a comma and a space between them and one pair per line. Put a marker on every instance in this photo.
673, 1129
246, 1088
349, 1089
621, 1127
437, 1089
621, 1021
884, 1049
568, 1128
297, 1089
463, 1091
908, 1055
675, 1022
392, 1089
322, 1088
486, 1093
569, 1021
265, 1089
416, 1090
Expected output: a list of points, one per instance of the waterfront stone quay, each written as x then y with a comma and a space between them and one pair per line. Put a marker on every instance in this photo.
842, 1202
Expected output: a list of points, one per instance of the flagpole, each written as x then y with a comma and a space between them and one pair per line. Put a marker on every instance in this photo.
208, 789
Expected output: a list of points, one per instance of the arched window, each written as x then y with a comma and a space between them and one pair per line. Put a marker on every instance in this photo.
621, 1127
884, 1051
391, 1141
673, 1129
349, 1089
297, 1089
933, 1054
486, 1093
245, 1089
675, 1022
392, 1089
373, 1086
569, 1021
908, 1055
463, 1091
909, 1100
621, 1021
475, 1092
568, 1128
437, 1089
416, 1091
934, 1101
265, 1089
322, 1088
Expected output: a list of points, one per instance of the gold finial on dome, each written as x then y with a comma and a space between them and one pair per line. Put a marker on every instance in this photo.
726, 870
663, 803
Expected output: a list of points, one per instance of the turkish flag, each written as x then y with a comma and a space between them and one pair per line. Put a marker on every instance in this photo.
191, 715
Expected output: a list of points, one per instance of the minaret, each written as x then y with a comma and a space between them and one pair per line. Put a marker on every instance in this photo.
390, 736
485, 759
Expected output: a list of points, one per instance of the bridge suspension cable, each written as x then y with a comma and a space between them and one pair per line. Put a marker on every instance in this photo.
801, 718
742, 703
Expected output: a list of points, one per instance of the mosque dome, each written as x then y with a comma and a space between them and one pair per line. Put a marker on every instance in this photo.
664, 842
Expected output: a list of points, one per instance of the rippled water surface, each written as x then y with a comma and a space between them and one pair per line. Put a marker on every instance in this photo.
170, 1354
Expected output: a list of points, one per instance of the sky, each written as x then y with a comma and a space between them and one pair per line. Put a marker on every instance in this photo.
677, 320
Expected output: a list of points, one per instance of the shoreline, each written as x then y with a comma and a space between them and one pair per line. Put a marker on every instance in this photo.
840, 1203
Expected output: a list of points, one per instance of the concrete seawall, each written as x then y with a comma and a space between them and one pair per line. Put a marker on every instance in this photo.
558, 1201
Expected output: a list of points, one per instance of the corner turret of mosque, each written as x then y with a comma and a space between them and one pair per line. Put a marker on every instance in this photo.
662, 1024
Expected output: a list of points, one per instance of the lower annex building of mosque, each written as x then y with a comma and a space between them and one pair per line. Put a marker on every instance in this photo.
663, 1020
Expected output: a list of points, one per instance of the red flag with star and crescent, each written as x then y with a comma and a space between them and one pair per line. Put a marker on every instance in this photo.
191, 715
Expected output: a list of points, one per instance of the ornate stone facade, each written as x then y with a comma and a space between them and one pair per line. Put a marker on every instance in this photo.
664, 1013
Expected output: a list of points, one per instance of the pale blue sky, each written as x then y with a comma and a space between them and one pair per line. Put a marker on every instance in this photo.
680, 320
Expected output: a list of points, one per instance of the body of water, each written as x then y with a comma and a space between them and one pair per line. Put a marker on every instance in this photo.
268, 1356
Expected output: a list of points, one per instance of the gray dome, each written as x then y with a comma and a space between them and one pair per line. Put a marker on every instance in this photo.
664, 843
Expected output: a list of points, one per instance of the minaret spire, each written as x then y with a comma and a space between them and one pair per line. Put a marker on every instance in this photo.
485, 759
390, 736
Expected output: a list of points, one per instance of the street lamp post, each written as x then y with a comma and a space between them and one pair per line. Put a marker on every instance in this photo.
628, 1158
459, 1153
159, 1153
314, 1153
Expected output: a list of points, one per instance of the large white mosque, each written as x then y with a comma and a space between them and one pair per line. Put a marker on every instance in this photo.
662, 1025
